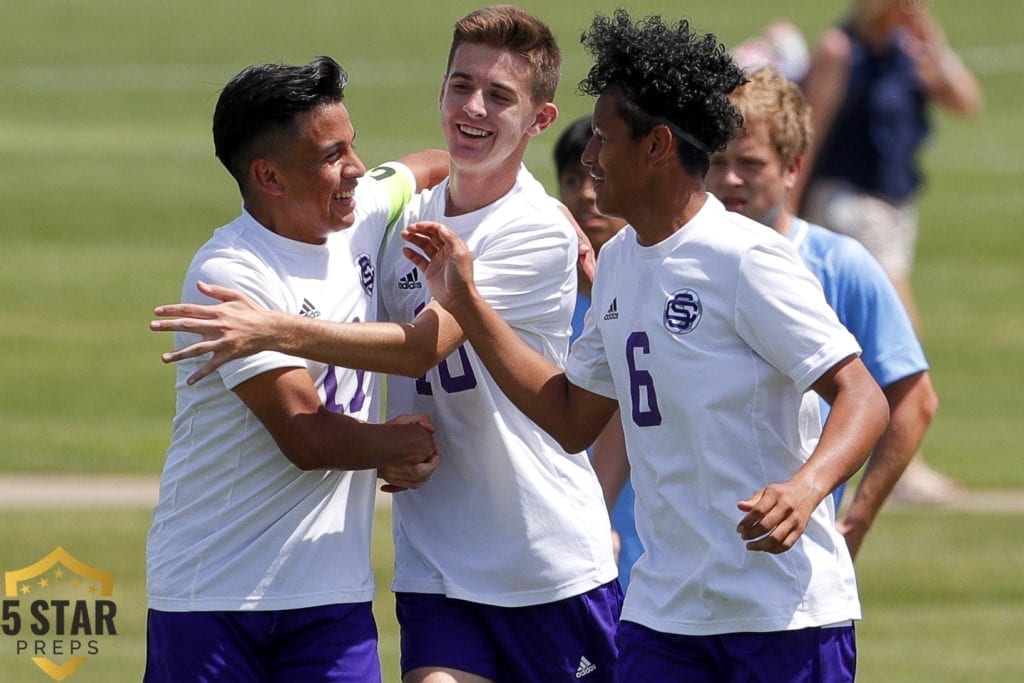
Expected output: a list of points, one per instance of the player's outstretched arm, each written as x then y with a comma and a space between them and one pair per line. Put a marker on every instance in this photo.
777, 515
573, 416
235, 328
239, 327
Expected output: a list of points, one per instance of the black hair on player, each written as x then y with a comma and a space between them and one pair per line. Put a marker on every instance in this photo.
668, 75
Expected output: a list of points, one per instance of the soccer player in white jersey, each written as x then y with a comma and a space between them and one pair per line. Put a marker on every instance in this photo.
753, 176
258, 560
504, 568
705, 332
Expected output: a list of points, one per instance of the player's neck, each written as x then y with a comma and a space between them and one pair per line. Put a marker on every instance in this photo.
470, 189
778, 219
667, 212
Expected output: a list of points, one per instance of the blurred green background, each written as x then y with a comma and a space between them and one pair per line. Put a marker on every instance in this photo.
108, 184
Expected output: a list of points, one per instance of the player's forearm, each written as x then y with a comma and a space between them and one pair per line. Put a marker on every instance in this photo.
912, 404
887, 462
610, 462
536, 386
331, 441
857, 419
377, 347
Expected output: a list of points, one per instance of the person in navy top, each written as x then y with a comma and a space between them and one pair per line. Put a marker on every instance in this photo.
870, 86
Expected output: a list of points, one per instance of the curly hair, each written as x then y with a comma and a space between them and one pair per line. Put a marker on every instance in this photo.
667, 74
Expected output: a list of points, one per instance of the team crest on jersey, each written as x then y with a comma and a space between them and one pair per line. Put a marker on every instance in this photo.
683, 311
367, 272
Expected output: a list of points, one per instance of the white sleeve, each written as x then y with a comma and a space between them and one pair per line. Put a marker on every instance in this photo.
524, 272
782, 314
587, 366
233, 270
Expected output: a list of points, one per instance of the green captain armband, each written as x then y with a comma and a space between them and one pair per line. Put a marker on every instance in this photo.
399, 183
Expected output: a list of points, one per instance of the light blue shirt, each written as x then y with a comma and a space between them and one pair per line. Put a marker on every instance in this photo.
866, 302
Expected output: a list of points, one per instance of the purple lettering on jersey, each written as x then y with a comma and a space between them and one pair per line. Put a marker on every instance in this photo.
331, 401
449, 382
641, 383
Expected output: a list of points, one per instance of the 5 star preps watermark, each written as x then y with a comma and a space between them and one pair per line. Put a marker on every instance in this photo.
58, 613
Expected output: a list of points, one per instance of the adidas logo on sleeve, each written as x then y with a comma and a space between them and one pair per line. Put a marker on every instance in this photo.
613, 310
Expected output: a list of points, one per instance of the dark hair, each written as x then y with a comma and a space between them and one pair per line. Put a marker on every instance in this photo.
667, 75
571, 143
516, 30
261, 103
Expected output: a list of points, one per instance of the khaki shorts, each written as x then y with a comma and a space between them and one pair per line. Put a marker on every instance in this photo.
888, 230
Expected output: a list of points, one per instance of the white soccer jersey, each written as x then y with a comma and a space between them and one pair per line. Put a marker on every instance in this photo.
708, 340
508, 518
238, 526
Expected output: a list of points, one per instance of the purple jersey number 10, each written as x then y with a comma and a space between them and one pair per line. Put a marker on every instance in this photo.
449, 382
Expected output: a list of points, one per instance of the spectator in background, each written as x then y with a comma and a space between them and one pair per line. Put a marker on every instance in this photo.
753, 176
780, 45
869, 86
608, 455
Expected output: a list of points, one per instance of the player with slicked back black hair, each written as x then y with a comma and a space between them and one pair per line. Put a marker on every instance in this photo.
668, 74
261, 103
261, 534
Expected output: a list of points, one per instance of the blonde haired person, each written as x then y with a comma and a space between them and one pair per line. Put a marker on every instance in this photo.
753, 176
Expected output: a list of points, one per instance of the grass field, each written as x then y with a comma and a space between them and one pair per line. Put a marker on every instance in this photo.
108, 184
942, 595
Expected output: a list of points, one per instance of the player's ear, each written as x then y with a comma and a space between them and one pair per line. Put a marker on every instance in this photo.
265, 176
544, 118
791, 172
661, 143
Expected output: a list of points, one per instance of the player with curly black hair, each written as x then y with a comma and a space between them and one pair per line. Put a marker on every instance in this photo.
706, 333
668, 75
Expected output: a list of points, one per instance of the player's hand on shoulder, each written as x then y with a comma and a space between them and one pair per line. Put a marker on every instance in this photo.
585, 256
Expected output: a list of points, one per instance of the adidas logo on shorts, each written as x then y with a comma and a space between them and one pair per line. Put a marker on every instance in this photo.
586, 667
